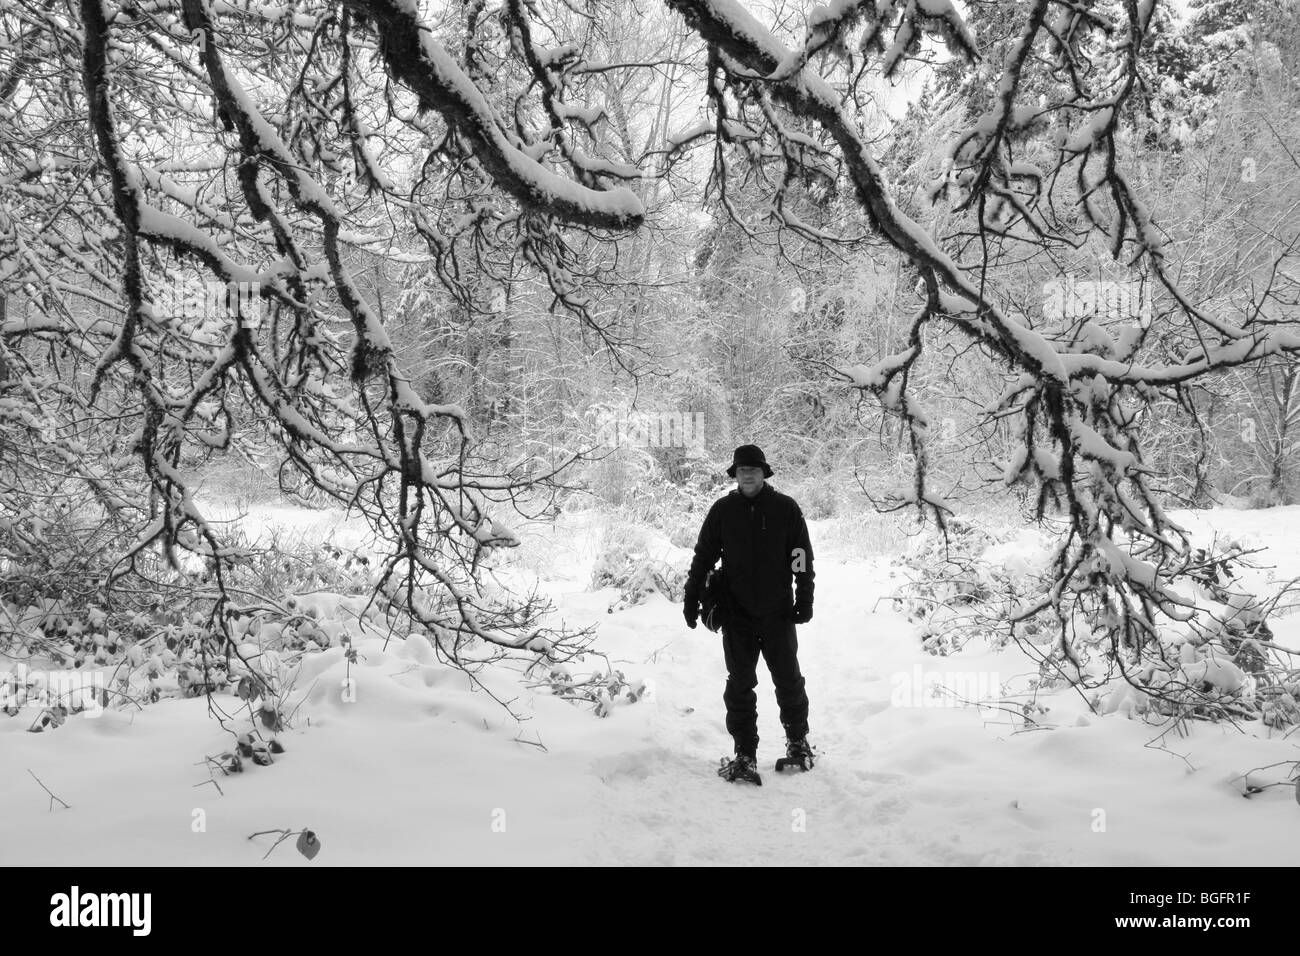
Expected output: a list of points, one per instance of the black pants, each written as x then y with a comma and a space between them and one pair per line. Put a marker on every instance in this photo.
742, 641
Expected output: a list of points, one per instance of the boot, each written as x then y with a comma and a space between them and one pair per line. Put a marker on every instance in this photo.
740, 767
798, 753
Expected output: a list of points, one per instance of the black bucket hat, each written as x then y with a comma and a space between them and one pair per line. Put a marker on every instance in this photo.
749, 455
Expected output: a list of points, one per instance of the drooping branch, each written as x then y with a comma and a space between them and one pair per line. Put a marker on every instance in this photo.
417, 59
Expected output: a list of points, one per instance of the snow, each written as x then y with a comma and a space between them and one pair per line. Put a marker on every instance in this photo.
586, 115
1222, 675
163, 225
602, 166
269, 140
1026, 170
421, 768
1091, 131
874, 377
1093, 445
618, 205
1022, 555
676, 140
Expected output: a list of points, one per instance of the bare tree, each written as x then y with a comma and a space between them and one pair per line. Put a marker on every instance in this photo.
258, 144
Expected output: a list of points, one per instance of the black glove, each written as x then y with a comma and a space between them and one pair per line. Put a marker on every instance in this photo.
691, 611
802, 613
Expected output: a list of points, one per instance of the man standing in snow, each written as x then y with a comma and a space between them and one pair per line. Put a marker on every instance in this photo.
762, 538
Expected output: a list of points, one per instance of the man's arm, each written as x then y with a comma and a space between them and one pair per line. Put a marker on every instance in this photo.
708, 548
801, 562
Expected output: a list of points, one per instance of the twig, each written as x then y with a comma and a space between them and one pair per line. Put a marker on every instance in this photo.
47, 790
284, 835
213, 781
531, 743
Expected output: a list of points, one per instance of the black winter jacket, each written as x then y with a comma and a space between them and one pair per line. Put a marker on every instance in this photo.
763, 542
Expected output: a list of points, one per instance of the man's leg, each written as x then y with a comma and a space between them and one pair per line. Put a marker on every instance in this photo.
781, 651
740, 649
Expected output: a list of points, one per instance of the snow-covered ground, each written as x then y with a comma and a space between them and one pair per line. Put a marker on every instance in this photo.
422, 768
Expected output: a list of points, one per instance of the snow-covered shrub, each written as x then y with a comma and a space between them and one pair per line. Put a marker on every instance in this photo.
624, 562
687, 531
642, 488
818, 499
643, 576
619, 478
862, 535
965, 584
52, 548
603, 690
240, 478
1217, 665
673, 509
165, 631
1232, 642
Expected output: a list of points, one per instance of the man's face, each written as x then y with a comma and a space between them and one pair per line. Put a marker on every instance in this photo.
749, 479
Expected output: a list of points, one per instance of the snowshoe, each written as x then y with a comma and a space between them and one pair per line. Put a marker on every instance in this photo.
798, 755
740, 767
